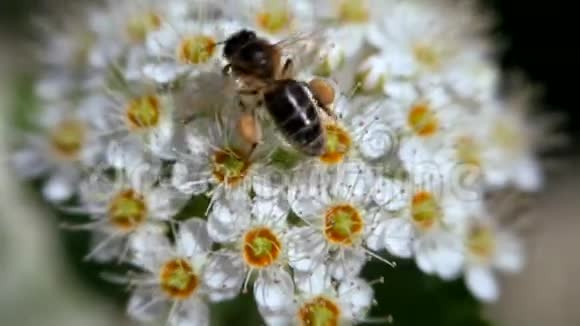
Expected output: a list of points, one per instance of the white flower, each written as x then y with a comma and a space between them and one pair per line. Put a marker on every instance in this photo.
336, 213
138, 118
422, 40
424, 220
345, 304
174, 276
489, 247
257, 243
274, 19
186, 47
500, 144
122, 205
64, 144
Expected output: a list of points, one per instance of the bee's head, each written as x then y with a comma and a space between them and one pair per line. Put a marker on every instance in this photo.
237, 41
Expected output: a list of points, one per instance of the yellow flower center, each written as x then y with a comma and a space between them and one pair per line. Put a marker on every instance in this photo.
423, 120
353, 11
139, 26
67, 139
229, 166
343, 224
196, 49
481, 242
261, 247
178, 280
468, 150
127, 210
338, 143
275, 17
425, 210
427, 56
319, 311
143, 112
506, 135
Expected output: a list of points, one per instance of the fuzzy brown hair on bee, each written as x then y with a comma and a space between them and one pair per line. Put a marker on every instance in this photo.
294, 106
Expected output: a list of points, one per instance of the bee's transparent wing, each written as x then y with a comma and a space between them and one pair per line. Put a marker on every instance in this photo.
303, 48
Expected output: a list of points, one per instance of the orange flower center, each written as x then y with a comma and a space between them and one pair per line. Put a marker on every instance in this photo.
138, 27
422, 120
338, 143
342, 224
261, 247
178, 280
143, 112
353, 11
319, 311
127, 210
67, 139
425, 210
481, 242
275, 17
229, 166
196, 49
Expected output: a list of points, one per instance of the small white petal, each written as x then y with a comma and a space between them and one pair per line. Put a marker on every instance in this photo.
356, 297
58, 187
268, 183
528, 175
164, 203
188, 180
149, 247
349, 263
192, 312
270, 211
398, 236
390, 194
163, 72
225, 273
482, 283
225, 223
306, 248
274, 290
313, 282
510, 254
193, 238
352, 181
144, 306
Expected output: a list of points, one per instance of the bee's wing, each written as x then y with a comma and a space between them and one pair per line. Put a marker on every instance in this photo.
303, 48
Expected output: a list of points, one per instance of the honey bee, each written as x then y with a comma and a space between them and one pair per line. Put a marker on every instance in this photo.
293, 105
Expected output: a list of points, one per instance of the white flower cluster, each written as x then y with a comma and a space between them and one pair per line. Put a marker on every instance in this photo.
138, 123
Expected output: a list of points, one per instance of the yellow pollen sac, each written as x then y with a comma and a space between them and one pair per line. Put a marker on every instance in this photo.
178, 280
67, 139
143, 112
319, 311
425, 210
275, 17
338, 143
196, 49
468, 150
343, 224
353, 11
261, 247
127, 210
138, 27
422, 120
427, 56
481, 242
229, 166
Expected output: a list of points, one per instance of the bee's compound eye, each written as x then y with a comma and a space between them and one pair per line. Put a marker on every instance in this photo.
237, 40
322, 90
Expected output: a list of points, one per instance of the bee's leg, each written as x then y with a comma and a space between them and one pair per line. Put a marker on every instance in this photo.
287, 71
250, 130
